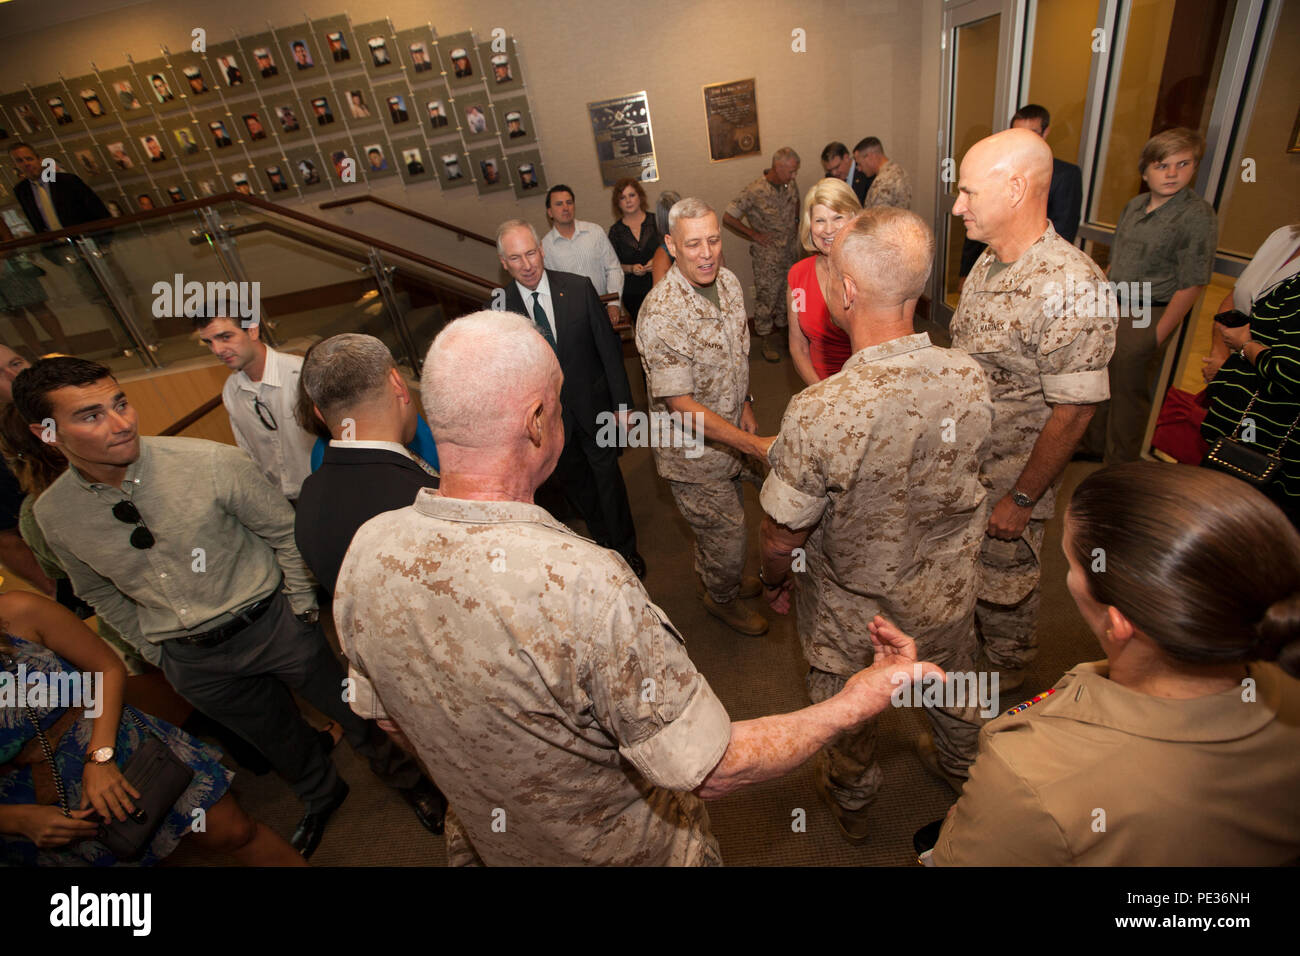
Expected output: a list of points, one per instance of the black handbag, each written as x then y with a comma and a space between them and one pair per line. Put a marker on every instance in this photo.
154, 770
1245, 461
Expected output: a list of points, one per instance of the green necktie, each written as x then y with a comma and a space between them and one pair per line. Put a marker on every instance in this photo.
542, 323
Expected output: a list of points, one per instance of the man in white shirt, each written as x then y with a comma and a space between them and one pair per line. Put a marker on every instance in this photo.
581, 247
260, 398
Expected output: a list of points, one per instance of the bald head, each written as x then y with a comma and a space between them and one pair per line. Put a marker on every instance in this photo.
482, 373
1003, 185
886, 254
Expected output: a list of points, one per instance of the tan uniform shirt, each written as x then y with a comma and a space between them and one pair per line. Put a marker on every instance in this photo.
1101, 775
891, 187
1035, 352
883, 457
771, 209
690, 347
550, 698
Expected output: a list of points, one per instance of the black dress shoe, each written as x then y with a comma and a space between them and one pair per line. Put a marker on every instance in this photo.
637, 564
311, 827
429, 804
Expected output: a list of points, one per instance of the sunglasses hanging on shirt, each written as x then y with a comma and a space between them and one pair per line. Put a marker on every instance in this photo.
141, 538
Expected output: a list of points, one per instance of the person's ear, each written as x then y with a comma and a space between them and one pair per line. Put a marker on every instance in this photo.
850, 294
536, 422
1118, 627
672, 246
1017, 188
254, 330
319, 417
400, 390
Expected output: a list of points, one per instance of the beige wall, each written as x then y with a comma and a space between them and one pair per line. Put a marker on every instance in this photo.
862, 75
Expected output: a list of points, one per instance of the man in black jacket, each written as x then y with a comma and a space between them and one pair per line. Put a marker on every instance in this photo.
570, 316
359, 394
61, 202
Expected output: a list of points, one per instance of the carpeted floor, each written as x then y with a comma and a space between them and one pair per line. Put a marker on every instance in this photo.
752, 677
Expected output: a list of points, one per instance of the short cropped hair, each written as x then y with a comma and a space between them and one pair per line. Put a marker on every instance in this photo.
346, 371
784, 154
561, 188
892, 250
1177, 140
620, 187
14, 147
33, 385
869, 144
834, 150
834, 193
688, 208
1032, 111
513, 224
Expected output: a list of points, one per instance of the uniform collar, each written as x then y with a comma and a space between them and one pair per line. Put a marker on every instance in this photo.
704, 305
1088, 695
1009, 278
271, 373
429, 502
898, 346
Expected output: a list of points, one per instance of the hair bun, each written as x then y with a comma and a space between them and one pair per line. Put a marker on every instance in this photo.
1277, 635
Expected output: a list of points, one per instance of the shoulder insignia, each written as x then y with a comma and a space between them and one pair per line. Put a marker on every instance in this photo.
1030, 703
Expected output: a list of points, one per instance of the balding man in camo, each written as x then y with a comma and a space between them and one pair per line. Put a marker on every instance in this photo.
1036, 314
767, 214
526, 666
875, 475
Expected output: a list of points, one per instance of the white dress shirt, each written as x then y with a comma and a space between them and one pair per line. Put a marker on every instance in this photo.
588, 253
283, 453
1266, 268
544, 297
372, 443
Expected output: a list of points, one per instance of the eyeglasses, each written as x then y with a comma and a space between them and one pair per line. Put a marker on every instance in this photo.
264, 415
141, 538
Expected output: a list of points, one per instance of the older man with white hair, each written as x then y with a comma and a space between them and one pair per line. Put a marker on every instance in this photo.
875, 475
551, 698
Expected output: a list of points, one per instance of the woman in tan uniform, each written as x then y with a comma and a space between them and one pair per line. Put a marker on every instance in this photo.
1181, 748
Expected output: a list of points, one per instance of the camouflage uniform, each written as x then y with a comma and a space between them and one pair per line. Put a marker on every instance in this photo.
775, 211
882, 461
891, 187
552, 699
689, 347
1034, 355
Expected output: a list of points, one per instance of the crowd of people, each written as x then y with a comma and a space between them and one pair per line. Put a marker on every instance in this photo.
516, 681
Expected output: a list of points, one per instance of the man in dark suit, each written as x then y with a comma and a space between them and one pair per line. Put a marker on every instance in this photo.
838, 164
1064, 195
357, 391
570, 316
61, 203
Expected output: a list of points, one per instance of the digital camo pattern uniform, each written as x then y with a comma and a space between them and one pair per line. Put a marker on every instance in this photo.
883, 459
775, 211
690, 347
551, 699
891, 187
1034, 355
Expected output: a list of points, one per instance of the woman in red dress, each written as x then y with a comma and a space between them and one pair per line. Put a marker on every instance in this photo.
817, 345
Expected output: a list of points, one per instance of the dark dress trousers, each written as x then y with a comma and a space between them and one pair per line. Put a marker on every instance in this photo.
595, 381
351, 486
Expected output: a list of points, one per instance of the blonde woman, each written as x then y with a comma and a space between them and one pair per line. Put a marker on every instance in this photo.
818, 346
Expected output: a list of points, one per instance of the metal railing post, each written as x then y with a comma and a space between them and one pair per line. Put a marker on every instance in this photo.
381, 272
118, 302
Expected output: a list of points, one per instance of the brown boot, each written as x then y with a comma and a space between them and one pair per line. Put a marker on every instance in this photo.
852, 823
736, 617
750, 587
925, 749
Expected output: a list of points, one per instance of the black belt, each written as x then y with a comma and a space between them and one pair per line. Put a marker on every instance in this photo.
241, 620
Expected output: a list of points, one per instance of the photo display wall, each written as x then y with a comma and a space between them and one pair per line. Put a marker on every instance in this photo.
288, 112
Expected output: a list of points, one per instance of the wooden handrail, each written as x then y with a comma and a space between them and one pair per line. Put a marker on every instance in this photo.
178, 426
442, 224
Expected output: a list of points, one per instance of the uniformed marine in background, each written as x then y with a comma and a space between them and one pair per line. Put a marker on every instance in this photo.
1035, 314
770, 205
875, 474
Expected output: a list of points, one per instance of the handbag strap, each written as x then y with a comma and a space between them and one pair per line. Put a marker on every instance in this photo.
1277, 452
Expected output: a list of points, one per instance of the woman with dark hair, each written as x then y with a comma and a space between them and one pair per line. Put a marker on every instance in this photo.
1180, 748
635, 237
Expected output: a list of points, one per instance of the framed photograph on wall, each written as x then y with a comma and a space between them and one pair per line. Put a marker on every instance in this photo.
414, 161
731, 112
195, 79
226, 60
266, 68
334, 41
141, 195
527, 172
307, 168
515, 121
218, 132
300, 53
185, 139
451, 165
375, 155
120, 152
159, 85
341, 163
57, 109
173, 189
397, 106
321, 109
93, 106
460, 60
378, 49
207, 182
277, 180
433, 106
286, 115
624, 141
501, 65
254, 128
358, 108
490, 173
87, 161
475, 114
240, 178
416, 51
159, 155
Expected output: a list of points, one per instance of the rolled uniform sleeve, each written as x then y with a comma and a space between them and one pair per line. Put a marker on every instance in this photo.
740, 206
649, 697
999, 821
365, 702
794, 493
1195, 265
1073, 352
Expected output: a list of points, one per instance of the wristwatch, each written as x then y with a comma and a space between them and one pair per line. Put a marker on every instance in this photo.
749, 399
101, 755
1021, 499
310, 617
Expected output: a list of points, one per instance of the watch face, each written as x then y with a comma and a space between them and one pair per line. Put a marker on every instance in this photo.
102, 755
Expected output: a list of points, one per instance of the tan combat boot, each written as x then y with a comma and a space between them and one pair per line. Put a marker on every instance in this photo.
737, 618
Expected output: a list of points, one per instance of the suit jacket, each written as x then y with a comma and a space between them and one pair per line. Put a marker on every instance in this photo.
861, 183
74, 203
1065, 198
351, 486
589, 350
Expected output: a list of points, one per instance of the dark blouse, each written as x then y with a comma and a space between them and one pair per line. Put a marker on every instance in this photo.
632, 252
